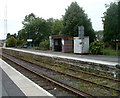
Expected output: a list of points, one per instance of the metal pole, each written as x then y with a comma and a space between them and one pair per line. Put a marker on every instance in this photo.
5, 23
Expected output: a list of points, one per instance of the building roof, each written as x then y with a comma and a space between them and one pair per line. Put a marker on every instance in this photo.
61, 36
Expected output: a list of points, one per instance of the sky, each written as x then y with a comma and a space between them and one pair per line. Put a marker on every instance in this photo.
18, 9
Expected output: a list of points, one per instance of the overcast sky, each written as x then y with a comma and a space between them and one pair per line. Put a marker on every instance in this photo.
18, 9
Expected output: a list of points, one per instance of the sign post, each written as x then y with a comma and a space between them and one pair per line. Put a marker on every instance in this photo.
81, 35
81, 32
29, 41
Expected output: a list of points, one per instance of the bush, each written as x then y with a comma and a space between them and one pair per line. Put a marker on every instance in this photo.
44, 45
21, 43
109, 51
11, 42
96, 48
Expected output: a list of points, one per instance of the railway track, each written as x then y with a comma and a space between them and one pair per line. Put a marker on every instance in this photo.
62, 87
78, 74
98, 79
93, 85
108, 71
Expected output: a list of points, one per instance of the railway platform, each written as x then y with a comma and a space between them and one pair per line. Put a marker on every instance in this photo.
95, 59
13, 83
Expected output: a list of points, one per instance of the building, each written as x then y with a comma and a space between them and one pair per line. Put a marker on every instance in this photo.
1, 42
61, 43
81, 45
99, 36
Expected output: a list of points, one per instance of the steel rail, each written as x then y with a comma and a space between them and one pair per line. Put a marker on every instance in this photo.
72, 89
78, 71
102, 86
116, 80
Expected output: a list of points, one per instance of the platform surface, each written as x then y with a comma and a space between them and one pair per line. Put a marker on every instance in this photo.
9, 88
97, 59
13, 83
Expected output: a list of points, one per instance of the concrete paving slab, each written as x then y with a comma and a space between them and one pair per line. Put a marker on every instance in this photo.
9, 87
0, 80
26, 84
0, 51
0, 74
4, 92
38, 93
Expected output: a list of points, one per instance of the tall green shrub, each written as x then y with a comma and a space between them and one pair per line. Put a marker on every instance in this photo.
11, 42
44, 45
96, 47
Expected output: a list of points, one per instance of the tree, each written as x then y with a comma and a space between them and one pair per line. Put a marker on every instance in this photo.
50, 23
11, 42
28, 27
119, 21
8, 35
75, 17
34, 28
44, 45
110, 21
22, 35
41, 30
29, 19
57, 27
11, 35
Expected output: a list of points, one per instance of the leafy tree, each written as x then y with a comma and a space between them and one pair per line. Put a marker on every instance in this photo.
50, 23
34, 28
21, 43
57, 26
11, 35
110, 21
74, 17
14, 35
45, 44
28, 25
8, 35
119, 21
29, 19
41, 30
11, 42
22, 35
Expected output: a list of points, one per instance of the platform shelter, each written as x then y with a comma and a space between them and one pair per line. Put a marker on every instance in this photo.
61, 43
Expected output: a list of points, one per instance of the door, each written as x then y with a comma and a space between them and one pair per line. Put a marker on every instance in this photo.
58, 44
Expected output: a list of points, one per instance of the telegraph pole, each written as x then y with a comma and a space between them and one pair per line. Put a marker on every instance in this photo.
5, 22
118, 65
